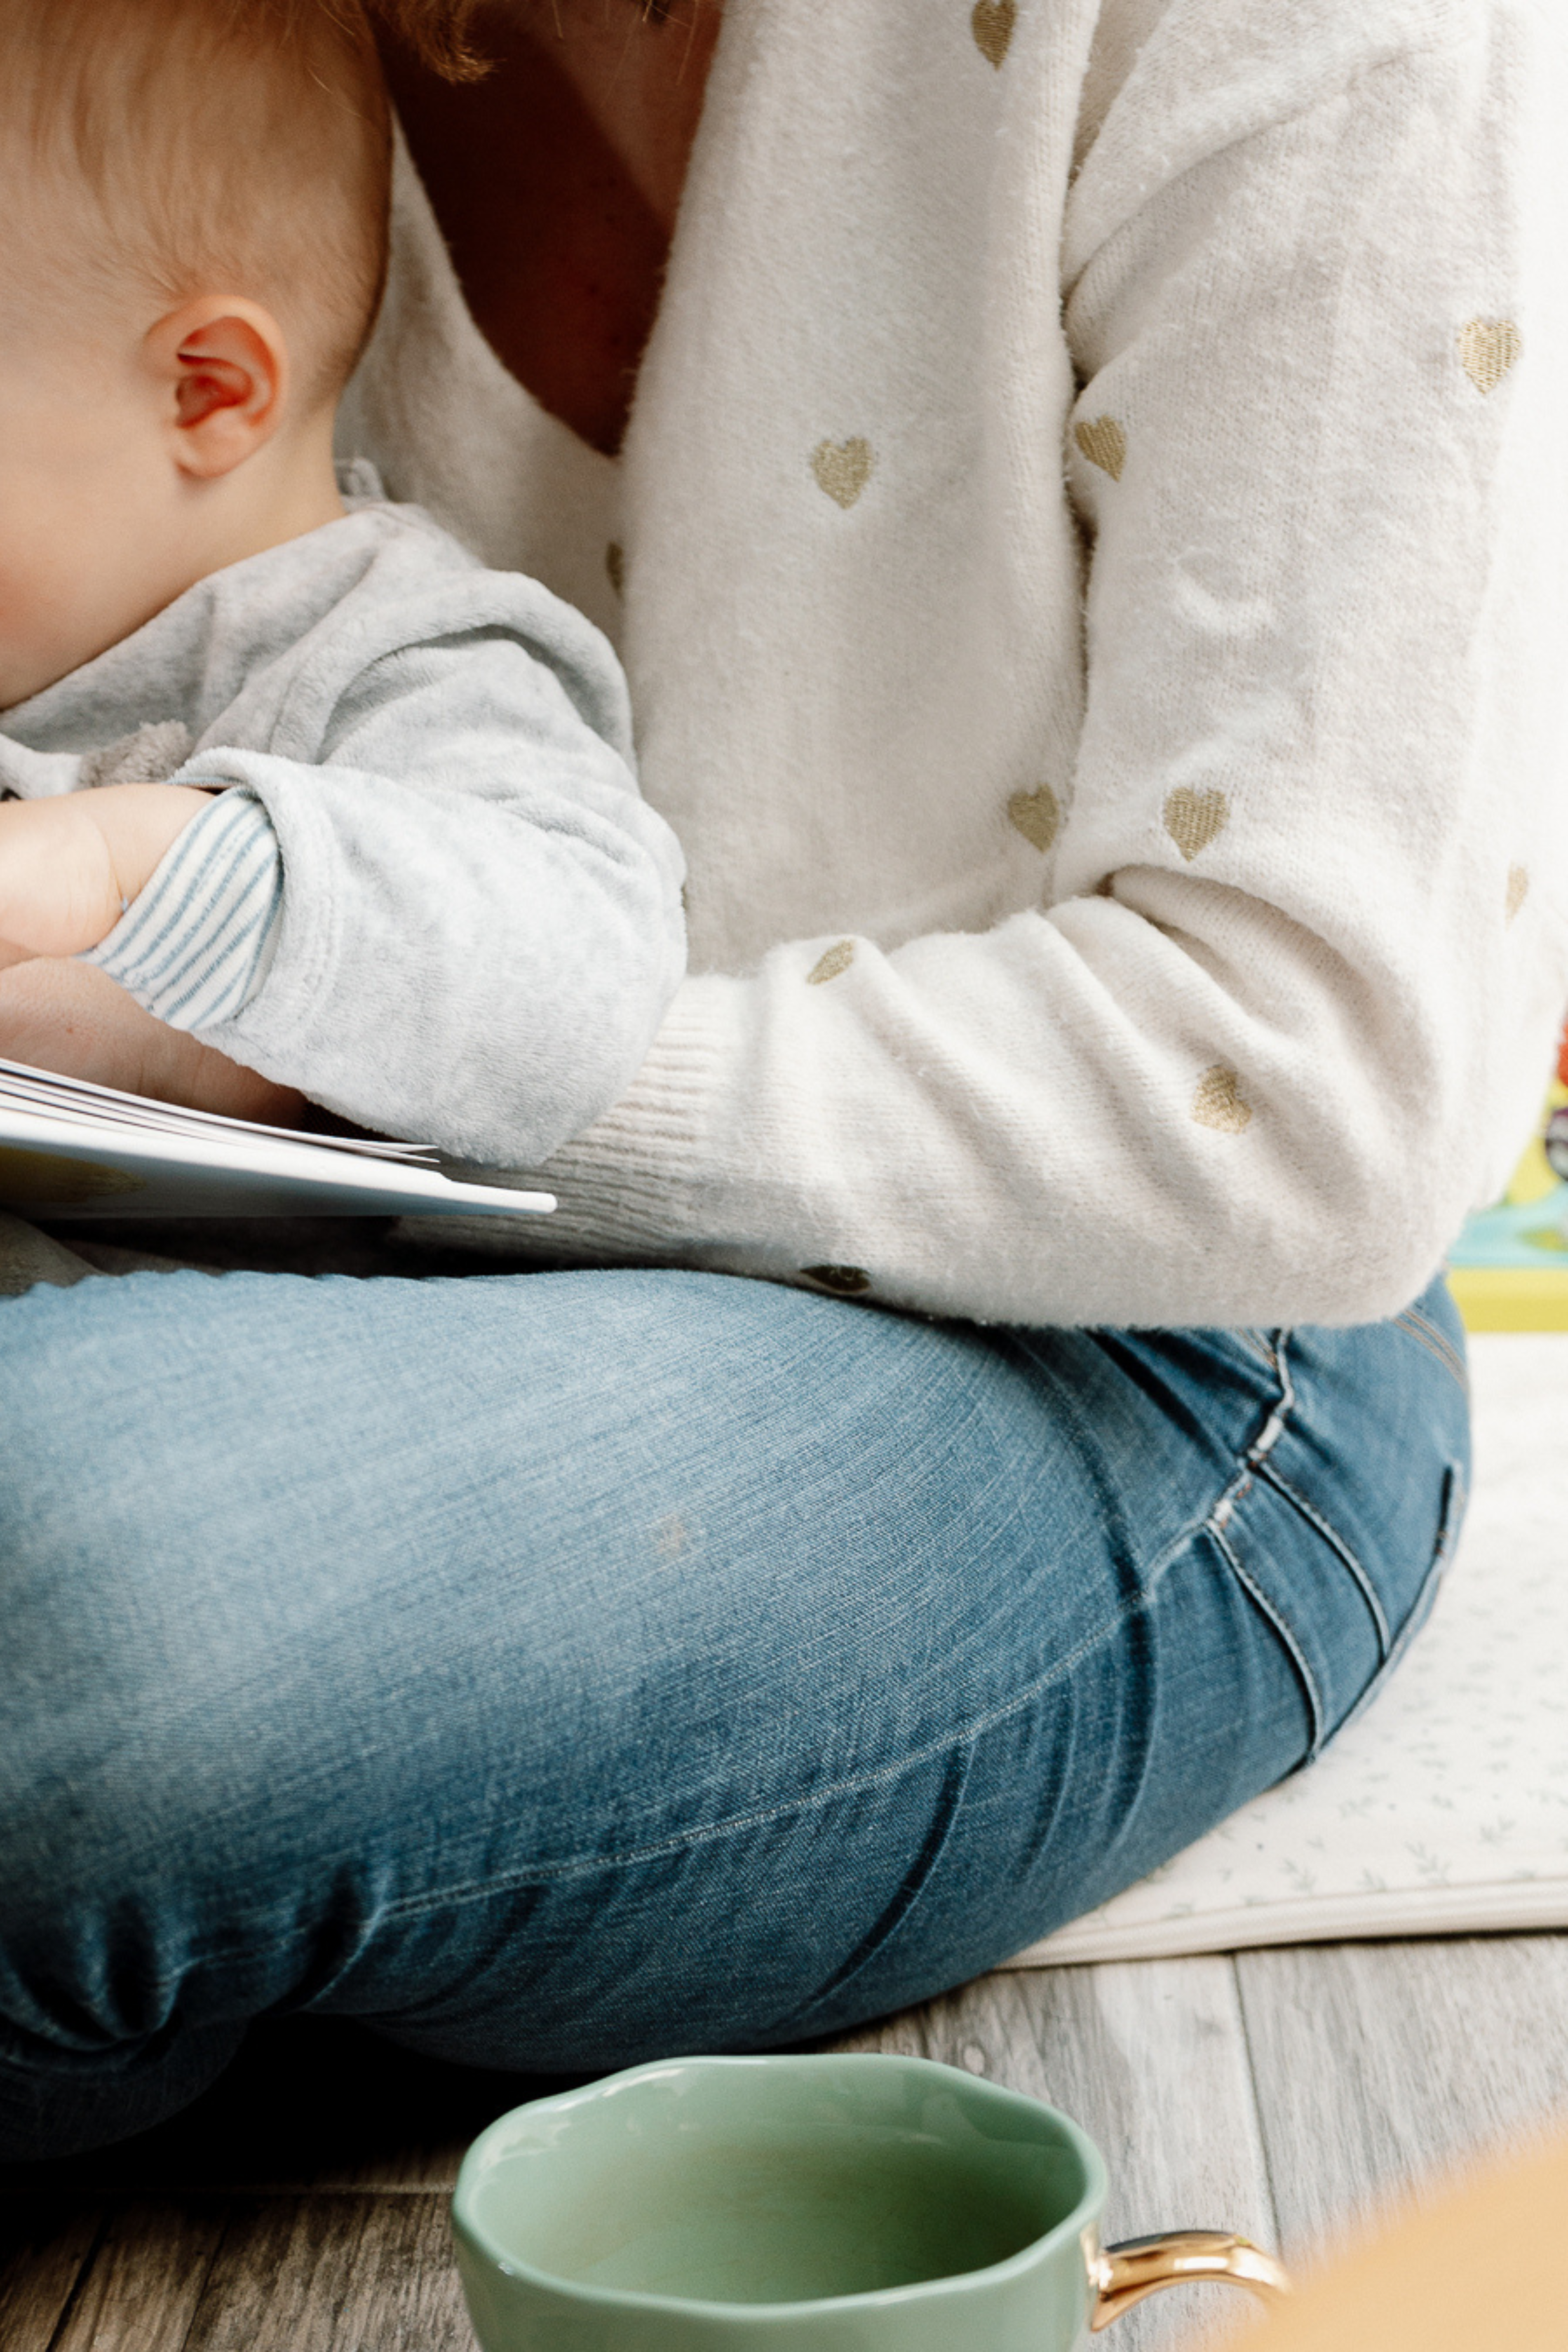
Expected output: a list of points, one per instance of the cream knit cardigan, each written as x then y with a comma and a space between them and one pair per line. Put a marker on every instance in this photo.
1091, 558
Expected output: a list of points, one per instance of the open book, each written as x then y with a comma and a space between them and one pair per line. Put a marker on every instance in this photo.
71, 1150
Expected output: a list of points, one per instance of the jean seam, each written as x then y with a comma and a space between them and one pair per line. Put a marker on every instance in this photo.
1275, 1423
1316, 1713
798, 2020
1217, 1513
1455, 1495
1255, 1464
1426, 1335
582, 1865
1331, 1537
1416, 1320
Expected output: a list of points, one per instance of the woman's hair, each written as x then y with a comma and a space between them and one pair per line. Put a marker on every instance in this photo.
184, 147
438, 31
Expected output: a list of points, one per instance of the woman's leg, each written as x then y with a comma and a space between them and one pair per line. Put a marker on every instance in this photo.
555, 1670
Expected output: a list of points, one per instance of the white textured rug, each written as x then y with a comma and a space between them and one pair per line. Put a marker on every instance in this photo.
1445, 1809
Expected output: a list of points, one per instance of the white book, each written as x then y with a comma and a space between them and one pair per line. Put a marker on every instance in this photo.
69, 1149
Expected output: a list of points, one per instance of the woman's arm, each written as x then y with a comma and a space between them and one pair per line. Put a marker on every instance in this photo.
1286, 1015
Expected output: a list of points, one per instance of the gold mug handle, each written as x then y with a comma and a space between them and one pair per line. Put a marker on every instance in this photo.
1123, 2274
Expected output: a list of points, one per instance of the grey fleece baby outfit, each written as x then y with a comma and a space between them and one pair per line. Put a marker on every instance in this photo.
430, 895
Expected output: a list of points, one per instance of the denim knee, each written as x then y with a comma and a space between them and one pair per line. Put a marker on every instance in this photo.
108, 1724
89, 1798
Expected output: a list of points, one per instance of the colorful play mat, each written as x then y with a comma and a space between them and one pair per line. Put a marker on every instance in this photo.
1508, 1270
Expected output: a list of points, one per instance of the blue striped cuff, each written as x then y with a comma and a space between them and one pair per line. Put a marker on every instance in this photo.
196, 945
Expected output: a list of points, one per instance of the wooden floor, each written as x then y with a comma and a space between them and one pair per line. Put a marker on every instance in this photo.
302, 2207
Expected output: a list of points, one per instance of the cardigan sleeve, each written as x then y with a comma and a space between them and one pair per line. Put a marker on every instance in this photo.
1288, 1010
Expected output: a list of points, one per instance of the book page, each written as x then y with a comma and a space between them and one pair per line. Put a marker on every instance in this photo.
70, 1149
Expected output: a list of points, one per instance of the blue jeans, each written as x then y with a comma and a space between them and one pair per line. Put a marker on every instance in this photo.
554, 1670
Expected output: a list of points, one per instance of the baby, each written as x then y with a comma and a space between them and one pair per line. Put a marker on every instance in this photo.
280, 757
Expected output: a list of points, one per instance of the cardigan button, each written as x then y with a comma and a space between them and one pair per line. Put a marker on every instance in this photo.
844, 1281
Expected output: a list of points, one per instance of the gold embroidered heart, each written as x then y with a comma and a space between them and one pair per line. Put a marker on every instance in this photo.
837, 958
1104, 444
1193, 819
843, 469
1488, 348
1037, 815
1518, 889
992, 26
1217, 1102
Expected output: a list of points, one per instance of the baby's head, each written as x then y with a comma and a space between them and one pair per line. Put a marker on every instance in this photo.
194, 201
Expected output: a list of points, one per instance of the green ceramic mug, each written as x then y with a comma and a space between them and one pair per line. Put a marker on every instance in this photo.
853, 2204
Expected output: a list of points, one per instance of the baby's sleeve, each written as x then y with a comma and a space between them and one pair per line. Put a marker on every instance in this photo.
195, 944
456, 919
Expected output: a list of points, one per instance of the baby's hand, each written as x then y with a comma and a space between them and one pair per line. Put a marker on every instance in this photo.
68, 868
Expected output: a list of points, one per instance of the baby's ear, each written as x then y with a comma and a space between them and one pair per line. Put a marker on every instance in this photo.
224, 364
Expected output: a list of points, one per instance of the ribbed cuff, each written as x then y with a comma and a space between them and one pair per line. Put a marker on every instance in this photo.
196, 945
638, 1186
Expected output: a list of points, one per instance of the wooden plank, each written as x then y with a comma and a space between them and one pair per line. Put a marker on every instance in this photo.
405, 2295
1379, 2066
145, 2283
1150, 2057
332, 2274
47, 2247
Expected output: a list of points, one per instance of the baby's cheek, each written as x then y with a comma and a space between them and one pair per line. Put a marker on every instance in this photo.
20, 634
29, 593
45, 623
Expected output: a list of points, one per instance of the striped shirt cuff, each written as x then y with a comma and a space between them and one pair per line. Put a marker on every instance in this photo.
196, 945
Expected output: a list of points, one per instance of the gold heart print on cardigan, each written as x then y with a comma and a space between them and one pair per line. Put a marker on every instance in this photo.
836, 958
1518, 889
1104, 444
843, 469
844, 1281
992, 26
1194, 819
1488, 348
1037, 815
615, 565
1217, 1102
